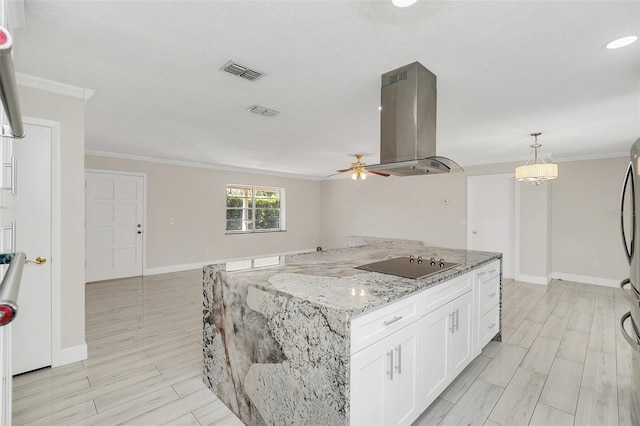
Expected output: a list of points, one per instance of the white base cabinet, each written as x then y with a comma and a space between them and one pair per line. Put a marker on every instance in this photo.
385, 380
446, 345
405, 354
486, 296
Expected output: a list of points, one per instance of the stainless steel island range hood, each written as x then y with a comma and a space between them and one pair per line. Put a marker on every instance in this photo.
408, 124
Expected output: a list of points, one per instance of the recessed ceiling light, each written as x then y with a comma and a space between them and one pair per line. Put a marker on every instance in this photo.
622, 42
403, 3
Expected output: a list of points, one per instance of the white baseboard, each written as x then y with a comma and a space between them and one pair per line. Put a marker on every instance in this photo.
532, 279
199, 265
606, 282
65, 356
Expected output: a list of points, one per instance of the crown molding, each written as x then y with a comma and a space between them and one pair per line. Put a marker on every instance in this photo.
593, 157
547, 159
54, 87
199, 165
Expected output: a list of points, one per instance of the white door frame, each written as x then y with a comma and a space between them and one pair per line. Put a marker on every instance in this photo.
144, 207
57, 354
516, 223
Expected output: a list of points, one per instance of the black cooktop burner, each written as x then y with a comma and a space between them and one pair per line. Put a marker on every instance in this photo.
404, 267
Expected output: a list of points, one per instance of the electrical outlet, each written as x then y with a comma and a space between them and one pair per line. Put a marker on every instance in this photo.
596, 265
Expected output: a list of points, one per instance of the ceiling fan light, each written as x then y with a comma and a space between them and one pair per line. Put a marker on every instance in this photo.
354, 175
363, 175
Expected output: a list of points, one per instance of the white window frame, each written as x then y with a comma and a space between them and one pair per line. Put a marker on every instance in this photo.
246, 208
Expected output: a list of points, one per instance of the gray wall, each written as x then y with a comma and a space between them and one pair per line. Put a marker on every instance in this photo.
195, 198
70, 113
429, 209
586, 222
565, 225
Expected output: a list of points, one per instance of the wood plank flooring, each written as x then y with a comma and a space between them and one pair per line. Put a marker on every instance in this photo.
562, 362
144, 339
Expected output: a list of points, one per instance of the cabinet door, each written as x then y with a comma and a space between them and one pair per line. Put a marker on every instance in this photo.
436, 335
461, 340
370, 377
405, 386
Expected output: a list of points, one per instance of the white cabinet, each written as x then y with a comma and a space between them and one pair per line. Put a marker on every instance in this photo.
486, 293
446, 345
461, 336
385, 380
436, 340
404, 354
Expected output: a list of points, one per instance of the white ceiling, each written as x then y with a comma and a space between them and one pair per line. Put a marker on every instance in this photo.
505, 69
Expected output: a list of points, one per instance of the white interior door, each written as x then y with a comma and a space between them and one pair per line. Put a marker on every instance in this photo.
114, 221
491, 217
31, 329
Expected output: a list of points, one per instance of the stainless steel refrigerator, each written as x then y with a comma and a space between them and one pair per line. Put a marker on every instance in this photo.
630, 287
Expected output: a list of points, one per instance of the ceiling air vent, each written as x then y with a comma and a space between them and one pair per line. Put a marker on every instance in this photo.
260, 110
241, 71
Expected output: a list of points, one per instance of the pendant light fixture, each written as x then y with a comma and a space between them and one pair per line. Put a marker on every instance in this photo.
536, 172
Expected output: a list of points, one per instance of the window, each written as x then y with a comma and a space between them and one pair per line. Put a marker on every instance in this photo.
254, 209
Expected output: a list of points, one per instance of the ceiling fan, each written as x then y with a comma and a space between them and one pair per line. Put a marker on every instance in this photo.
359, 170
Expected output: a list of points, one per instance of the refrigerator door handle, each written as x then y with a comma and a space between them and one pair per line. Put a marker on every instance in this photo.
630, 340
629, 177
630, 295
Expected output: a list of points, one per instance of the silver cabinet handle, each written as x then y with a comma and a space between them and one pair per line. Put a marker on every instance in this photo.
492, 271
453, 323
399, 359
481, 273
391, 321
457, 319
633, 342
630, 294
390, 370
493, 294
492, 325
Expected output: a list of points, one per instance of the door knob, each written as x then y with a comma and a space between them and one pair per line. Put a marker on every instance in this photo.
38, 260
139, 231
475, 232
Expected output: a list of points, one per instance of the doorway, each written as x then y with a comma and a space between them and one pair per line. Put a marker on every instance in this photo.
115, 214
491, 201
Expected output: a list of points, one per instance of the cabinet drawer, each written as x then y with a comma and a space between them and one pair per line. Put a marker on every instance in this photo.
489, 325
372, 326
488, 271
489, 294
437, 296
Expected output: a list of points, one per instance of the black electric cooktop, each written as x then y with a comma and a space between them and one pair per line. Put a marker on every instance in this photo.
405, 267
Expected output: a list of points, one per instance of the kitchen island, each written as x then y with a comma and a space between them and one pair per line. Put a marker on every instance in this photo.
278, 340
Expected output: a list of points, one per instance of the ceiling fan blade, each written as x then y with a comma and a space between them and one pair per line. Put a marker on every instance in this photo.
344, 170
378, 173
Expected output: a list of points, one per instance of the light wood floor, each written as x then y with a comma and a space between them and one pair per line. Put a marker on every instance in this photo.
562, 362
145, 361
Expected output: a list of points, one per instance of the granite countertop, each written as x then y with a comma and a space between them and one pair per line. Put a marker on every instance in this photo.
329, 280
